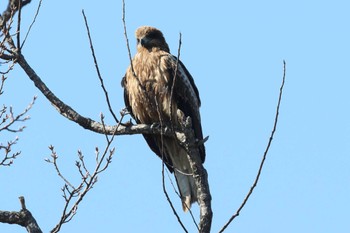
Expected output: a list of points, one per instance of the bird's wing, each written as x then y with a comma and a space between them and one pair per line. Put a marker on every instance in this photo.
186, 96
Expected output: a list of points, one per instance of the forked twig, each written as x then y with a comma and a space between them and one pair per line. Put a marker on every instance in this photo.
264, 156
76, 194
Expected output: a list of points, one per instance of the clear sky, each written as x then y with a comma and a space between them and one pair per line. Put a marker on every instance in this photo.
235, 52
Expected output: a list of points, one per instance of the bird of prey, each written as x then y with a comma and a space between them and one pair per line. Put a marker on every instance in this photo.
148, 96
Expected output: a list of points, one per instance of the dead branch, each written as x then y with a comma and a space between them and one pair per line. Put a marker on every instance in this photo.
22, 218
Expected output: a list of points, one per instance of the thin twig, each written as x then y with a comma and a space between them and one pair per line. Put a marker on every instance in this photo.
130, 57
264, 156
98, 69
3, 79
54, 162
8, 158
173, 85
31, 25
127, 40
19, 25
86, 184
18, 118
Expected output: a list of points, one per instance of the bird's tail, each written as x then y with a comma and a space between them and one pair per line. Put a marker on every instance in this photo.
187, 188
182, 171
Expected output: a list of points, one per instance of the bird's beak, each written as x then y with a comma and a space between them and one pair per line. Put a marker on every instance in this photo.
144, 41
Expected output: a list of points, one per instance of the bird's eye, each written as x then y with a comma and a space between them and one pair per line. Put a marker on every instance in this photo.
138, 40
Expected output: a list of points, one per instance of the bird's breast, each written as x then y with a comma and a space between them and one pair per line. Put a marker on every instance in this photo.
149, 92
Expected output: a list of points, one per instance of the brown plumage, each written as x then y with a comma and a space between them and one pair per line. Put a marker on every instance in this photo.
147, 97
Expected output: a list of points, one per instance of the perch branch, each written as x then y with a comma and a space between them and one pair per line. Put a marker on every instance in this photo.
86, 122
200, 175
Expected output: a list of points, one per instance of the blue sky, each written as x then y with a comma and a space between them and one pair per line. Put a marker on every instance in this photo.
235, 52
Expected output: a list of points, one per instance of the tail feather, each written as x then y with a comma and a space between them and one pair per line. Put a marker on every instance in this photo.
182, 171
187, 188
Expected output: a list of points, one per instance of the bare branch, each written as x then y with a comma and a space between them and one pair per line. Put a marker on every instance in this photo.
12, 7
7, 120
265, 153
173, 84
98, 70
8, 157
31, 25
54, 156
127, 39
73, 195
85, 122
200, 175
10, 119
7, 44
19, 25
3, 79
22, 218
76, 194
70, 113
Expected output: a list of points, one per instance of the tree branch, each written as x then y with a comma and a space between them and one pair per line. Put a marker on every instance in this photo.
200, 175
85, 122
12, 7
7, 120
31, 25
75, 194
98, 69
23, 218
264, 156
185, 134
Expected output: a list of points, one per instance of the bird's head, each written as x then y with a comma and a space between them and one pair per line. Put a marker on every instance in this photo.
150, 38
